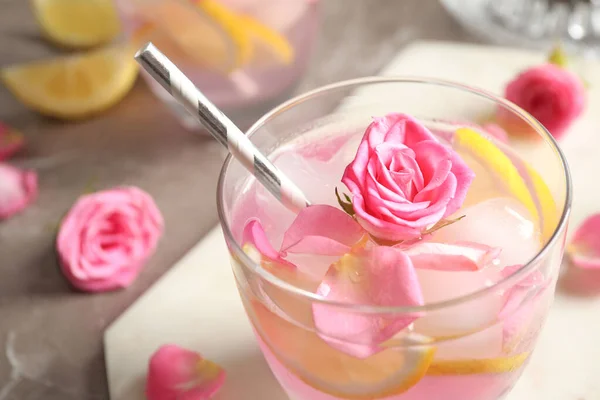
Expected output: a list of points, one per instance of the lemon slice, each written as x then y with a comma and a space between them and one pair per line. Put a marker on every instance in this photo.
233, 25
387, 373
501, 165
74, 87
483, 366
77, 23
205, 34
270, 47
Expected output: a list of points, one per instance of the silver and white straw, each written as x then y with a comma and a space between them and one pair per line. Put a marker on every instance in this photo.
220, 127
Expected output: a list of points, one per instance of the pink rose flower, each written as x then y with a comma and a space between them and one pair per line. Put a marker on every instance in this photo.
106, 237
403, 180
17, 190
175, 373
553, 95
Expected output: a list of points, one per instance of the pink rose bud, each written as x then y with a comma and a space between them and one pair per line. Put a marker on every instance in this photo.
17, 190
106, 238
175, 373
403, 180
11, 141
553, 95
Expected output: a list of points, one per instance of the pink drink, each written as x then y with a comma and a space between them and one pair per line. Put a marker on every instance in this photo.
461, 345
238, 52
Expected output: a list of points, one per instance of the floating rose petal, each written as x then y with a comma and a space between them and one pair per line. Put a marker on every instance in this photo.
461, 256
322, 229
318, 236
584, 250
175, 373
521, 302
381, 276
254, 234
17, 190
11, 141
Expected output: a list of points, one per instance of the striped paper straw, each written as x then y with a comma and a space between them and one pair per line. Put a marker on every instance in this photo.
221, 127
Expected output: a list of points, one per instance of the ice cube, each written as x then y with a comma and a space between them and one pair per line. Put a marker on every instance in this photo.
438, 286
500, 222
316, 178
486, 343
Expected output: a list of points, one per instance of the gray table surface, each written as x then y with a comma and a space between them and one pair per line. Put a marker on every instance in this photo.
50, 336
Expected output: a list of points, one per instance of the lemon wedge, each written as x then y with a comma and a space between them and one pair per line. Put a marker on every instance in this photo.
270, 47
387, 373
76, 86
205, 34
483, 366
213, 36
503, 167
77, 23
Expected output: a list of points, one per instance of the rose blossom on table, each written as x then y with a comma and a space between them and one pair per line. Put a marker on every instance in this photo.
106, 237
11, 141
18, 189
555, 96
403, 180
175, 373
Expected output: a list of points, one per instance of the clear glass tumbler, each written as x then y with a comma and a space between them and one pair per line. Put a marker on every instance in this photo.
240, 53
479, 342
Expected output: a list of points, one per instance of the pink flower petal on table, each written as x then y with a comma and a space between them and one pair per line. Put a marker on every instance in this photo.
584, 249
322, 229
17, 190
11, 141
461, 256
175, 373
381, 276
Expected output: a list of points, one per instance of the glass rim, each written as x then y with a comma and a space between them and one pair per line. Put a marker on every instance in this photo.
507, 281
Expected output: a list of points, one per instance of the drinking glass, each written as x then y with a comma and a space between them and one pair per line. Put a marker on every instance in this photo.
240, 53
469, 349
536, 24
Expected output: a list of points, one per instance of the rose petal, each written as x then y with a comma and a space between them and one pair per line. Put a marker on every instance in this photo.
461, 256
255, 235
521, 302
322, 229
17, 190
584, 249
106, 237
381, 276
175, 373
11, 141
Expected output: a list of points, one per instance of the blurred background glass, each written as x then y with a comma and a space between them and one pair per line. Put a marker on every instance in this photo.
532, 23
240, 53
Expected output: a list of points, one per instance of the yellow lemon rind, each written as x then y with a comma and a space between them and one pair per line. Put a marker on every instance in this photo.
475, 367
499, 163
62, 37
107, 94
